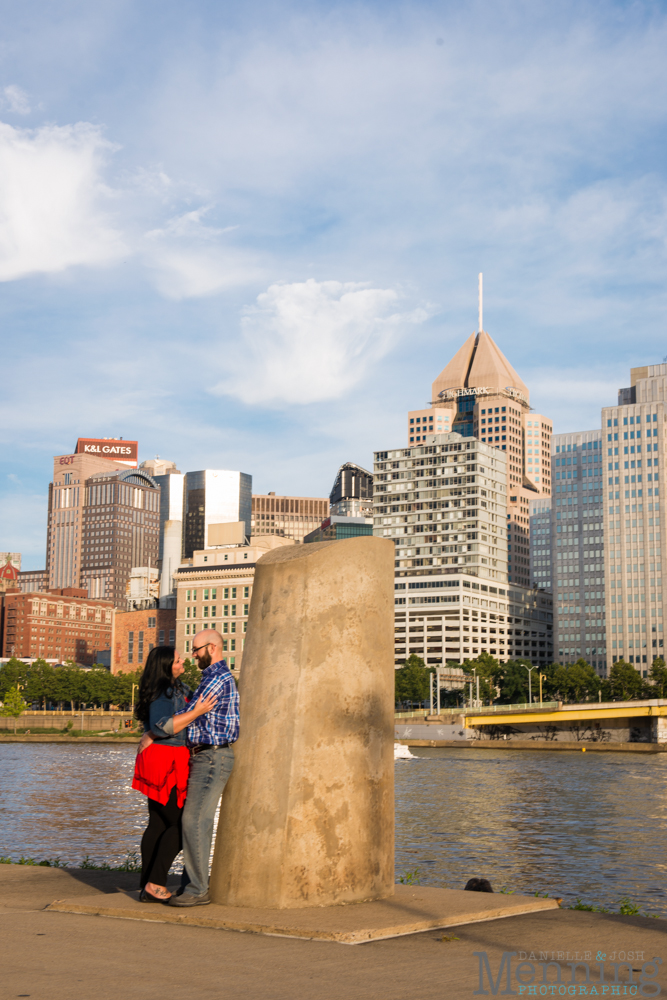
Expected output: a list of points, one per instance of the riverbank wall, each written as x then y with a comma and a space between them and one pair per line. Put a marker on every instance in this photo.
90, 720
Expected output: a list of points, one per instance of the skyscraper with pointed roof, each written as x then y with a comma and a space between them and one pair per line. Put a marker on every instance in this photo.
479, 394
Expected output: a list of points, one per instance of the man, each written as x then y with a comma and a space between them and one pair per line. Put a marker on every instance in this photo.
210, 738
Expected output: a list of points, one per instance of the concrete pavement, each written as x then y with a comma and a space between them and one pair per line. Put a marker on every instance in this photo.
62, 956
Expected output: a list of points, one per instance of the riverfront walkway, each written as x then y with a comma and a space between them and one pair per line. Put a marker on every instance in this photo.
63, 956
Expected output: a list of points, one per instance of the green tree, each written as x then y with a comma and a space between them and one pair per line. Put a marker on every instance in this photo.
583, 682
514, 682
658, 675
574, 682
13, 672
14, 704
121, 689
191, 675
625, 682
412, 683
489, 671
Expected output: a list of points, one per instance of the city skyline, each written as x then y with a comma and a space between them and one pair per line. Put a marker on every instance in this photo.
268, 248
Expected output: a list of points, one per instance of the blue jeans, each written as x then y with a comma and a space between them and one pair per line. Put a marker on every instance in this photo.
209, 773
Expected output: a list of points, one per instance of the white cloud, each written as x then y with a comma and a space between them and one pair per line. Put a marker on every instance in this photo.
189, 260
51, 194
312, 341
16, 100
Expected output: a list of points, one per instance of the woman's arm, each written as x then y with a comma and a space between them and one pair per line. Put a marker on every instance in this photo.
183, 719
177, 723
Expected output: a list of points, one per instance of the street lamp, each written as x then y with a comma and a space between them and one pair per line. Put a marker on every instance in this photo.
542, 677
530, 691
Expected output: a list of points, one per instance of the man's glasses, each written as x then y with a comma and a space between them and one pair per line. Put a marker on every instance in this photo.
197, 648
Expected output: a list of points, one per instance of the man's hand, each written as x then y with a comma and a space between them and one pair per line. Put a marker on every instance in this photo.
144, 742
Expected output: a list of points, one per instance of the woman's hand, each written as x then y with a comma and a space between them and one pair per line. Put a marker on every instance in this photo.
144, 742
204, 705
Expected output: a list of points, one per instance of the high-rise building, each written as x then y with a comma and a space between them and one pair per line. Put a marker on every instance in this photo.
444, 504
352, 492
288, 517
213, 496
120, 528
577, 549
67, 501
634, 528
540, 543
479, 395
36, 580
170, 549
334, 529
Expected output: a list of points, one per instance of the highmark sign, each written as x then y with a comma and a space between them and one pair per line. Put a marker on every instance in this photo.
123, 452
483, 390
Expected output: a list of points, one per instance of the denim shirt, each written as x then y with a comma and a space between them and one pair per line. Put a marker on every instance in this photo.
162, 711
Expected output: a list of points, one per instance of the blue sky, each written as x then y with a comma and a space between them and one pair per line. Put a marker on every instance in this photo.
249, 235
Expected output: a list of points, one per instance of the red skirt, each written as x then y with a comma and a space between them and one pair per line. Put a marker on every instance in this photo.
159, 769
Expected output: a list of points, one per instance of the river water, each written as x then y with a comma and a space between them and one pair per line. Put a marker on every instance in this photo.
589, 826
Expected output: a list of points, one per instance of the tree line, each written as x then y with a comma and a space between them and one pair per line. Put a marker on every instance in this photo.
507, 683
42, 686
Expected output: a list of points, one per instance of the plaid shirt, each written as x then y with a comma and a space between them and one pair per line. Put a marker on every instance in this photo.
221, 724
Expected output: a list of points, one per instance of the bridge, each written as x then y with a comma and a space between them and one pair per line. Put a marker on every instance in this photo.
602, 723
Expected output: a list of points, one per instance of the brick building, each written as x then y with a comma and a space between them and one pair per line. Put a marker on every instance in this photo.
59, 625
137, 632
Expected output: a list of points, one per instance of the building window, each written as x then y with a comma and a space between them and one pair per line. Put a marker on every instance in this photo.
232, 662
130, 647
233, 627
161, 637
246, 591
214, 593
188, 595
152, 622
245, 609
172, 636
224, 645
233, 605
214, 611
205, 613
232, 643
140, 648
187, 646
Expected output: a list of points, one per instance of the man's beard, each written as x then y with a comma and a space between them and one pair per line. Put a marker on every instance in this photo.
205, 660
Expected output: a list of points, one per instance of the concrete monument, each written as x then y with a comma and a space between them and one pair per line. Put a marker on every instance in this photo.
307, 818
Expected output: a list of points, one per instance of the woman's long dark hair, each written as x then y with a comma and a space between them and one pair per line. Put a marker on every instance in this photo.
155, 680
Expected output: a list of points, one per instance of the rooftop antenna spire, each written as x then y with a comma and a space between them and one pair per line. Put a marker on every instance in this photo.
480, 316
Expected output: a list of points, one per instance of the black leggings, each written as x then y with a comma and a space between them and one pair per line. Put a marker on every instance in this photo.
161, 841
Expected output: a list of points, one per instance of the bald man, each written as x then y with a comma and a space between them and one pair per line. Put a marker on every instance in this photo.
210, 738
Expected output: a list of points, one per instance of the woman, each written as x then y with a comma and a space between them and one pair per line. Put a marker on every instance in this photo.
161, 771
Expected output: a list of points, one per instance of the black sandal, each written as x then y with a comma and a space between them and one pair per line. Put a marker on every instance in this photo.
148, 897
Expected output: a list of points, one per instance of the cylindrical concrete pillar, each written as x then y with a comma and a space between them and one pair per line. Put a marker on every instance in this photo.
307, 818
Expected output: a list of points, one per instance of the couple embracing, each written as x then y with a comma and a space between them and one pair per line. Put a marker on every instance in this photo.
184, 760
